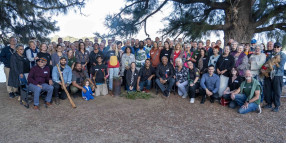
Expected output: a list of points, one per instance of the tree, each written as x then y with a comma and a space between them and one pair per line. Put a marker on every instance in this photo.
238, 19
32, 18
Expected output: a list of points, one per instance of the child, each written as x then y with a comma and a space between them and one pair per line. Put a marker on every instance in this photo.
88, 94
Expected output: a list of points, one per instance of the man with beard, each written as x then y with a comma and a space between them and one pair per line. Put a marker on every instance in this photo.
67, 76
78, 77
165, 74
148, 47
140, 56
247, 96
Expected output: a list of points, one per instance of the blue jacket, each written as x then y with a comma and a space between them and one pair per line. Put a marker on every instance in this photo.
279, 71
210, 82
67, 74
5, 56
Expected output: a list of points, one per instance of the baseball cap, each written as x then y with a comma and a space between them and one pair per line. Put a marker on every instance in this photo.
253, 41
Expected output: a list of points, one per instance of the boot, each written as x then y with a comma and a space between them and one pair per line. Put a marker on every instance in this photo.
203, 99
57, 100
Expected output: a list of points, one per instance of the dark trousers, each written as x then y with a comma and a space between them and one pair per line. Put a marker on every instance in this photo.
57, 88
203, 93
192, 90
273, 90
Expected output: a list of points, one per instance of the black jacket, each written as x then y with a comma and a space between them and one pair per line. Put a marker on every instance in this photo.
225, 63
93, 56
166, 53
162, 71
99, 70
18, 65
129, 77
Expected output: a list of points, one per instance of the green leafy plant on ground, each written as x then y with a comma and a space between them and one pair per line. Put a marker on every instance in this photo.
137, 95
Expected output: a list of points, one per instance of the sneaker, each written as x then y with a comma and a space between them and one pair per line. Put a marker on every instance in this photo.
36, 107
185, 96
259, 110
11, 95
267, 106
192, 100
276, 109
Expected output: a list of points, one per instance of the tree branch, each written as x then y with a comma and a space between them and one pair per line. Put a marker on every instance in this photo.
128, 7
281, 26
158, 9
266, 17
215, 5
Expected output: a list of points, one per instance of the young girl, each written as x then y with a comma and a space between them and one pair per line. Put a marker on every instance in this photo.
88, 94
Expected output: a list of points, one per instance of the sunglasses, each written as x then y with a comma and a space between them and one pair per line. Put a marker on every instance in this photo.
276, 47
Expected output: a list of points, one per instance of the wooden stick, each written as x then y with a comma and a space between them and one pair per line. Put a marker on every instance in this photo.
64, 87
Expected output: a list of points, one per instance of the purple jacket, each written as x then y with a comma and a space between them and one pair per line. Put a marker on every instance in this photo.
39, 75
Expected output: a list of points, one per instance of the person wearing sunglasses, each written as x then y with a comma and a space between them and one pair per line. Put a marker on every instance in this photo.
273, 85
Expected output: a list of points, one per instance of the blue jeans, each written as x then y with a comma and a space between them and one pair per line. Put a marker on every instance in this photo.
169, 83
37, 91
146, 83
182, 88
240, 100
128, 89
113, 72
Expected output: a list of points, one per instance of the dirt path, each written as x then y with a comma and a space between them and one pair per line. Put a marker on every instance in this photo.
109, 119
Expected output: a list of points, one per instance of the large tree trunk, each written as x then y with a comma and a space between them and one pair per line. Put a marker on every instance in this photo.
238, 24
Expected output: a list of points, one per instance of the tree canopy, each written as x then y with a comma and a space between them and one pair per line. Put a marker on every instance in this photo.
238, 19
32, 18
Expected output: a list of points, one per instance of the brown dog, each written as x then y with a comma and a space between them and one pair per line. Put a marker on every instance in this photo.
268, 66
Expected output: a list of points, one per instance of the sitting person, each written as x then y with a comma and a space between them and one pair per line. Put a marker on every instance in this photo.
233, 84
131, 77
181, 73
165, 74
209, 85
146, 74
67, 76
247, 96
87, 95
78, 76
99, 76
193, 77
39, 80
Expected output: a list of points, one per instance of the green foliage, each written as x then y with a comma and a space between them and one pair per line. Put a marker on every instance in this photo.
196, 18
137, 95
32, 18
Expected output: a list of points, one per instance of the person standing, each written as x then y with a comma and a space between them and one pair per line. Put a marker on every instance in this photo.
31, 53
155, 55
19, 65
273, 84
140, 56
5, 56
112, 59
99, 76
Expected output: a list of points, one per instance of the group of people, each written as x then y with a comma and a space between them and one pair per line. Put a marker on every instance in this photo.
231, 73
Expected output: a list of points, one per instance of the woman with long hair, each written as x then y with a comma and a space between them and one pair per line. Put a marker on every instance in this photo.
176, 53
112, 59
82, 55
224, 66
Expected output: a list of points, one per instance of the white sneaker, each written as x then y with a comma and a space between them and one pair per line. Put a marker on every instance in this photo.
259, 110
192, 100
185, 96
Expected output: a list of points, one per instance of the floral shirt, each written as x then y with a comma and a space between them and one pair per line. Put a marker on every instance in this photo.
182, 75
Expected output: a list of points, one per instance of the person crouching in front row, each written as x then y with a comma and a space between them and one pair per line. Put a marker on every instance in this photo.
209, 85
131, 77
247, 96
67, 76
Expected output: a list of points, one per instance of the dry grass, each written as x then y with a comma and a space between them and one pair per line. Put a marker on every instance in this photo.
117, 119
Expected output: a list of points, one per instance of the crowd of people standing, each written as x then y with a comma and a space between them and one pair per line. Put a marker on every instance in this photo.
231, 74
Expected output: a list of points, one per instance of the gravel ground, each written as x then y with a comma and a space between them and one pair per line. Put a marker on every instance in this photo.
117, 119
